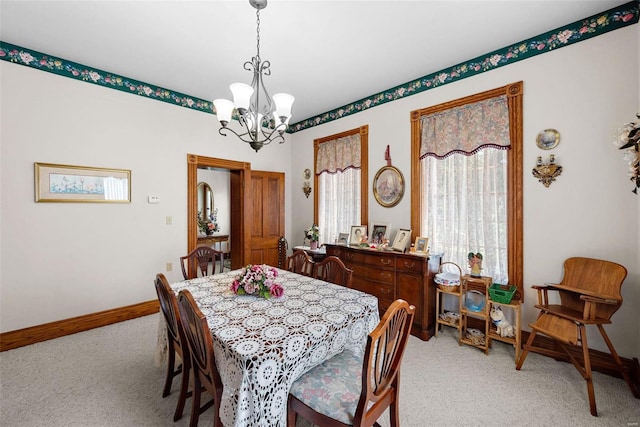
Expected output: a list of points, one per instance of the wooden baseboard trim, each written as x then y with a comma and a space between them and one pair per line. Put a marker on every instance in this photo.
48, 331
600, 361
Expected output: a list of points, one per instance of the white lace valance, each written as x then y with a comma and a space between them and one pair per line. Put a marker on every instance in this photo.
339, 154
466, 129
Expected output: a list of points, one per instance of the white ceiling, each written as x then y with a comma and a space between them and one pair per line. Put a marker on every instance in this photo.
325, 53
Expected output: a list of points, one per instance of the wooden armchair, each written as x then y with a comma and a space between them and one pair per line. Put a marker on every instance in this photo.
589, 295
348, 390
332, 269
300, 263
203, 363
176, 343
203, 260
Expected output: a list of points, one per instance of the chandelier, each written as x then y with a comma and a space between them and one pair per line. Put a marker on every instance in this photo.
262, 118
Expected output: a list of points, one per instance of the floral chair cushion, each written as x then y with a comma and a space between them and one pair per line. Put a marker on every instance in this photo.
333, 387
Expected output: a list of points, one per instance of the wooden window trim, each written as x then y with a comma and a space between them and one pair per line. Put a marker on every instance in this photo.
364, 170
514, 172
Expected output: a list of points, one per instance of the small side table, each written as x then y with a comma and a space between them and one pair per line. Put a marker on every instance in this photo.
493, 332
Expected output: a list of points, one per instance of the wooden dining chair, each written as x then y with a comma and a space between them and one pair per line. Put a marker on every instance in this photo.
332, 269
203, 363
348, 390
176, 343
589, 295
301, 263
283, 246
201, 262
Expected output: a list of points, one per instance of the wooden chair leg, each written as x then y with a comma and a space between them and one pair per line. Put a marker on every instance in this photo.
623, 369
588, 376
170, 370
184, 386
195, 401
525, 350
394, 411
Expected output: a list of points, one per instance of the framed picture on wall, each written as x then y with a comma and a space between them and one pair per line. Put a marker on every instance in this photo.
81, 184
357, 232
402, 240
388, 186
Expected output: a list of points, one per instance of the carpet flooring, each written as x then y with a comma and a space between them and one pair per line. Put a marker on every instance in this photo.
107, 377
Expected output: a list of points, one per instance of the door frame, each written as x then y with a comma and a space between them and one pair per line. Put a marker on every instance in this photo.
240, 243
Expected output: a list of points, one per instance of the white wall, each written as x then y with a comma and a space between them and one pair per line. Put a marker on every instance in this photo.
585, 91
60, 260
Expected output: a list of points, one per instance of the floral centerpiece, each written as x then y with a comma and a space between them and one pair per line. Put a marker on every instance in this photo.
258, 280
313, 234
628, 139
208, 225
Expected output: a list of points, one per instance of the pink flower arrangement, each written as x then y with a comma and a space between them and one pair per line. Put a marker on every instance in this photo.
258, 280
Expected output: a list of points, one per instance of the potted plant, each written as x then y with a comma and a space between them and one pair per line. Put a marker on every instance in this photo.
313, 234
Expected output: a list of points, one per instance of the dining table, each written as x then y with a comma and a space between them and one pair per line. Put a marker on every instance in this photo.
262, 346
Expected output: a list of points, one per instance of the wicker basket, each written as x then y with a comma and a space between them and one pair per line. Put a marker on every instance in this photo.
476, 336
448, 285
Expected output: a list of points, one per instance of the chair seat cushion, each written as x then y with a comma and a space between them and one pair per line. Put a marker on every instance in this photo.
333, 387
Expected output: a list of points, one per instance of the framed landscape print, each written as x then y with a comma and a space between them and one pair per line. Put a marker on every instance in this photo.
402, 240
357, 232
83, 184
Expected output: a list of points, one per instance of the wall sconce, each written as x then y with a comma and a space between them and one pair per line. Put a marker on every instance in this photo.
547, 173
306, 188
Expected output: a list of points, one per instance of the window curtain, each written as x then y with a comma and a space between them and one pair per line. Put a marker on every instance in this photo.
338, 169
464, 173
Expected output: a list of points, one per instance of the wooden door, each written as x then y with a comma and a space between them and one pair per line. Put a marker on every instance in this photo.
267, 216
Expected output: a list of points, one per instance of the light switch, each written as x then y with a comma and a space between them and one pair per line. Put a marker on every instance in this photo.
154, 199
169, 220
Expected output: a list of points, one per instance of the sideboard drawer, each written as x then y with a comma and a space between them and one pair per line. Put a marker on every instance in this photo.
371, 273
413, 265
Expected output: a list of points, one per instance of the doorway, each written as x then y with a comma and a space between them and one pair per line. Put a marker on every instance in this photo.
240, 172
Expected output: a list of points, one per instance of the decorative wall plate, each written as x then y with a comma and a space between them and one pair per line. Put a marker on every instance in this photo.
388, 186
548, 139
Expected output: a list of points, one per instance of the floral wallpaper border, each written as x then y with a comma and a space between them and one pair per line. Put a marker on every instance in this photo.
601, 23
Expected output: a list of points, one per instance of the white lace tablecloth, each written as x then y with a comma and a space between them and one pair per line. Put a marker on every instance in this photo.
263, 345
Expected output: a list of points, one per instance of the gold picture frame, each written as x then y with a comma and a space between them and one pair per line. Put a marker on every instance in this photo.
421, 244
81, 184
548, 139
388, 186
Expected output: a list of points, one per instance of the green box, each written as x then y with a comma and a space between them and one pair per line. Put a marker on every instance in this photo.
501, 293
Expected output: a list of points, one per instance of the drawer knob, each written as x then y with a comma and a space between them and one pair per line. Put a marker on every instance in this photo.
385, 261
412, 265
385, 291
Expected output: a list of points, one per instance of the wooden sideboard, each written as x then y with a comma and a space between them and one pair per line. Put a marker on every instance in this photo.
391, 275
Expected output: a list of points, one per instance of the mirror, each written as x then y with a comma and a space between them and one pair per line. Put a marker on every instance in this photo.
205, 200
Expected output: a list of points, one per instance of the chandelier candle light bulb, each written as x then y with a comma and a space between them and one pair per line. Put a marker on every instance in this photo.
262, 122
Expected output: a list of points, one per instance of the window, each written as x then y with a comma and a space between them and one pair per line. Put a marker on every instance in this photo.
341, 182
468, 197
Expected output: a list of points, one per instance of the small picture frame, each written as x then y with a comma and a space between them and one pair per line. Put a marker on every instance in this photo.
343, 238
357, 232
421, 244
379, 232
402, 240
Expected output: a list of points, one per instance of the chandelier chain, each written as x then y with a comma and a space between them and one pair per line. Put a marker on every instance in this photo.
258, 33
